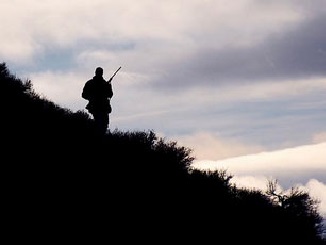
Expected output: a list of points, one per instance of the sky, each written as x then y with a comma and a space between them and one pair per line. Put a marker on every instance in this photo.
242, 83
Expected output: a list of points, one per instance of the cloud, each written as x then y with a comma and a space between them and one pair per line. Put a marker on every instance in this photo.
303, 167
205, 146
290, 166
319, 137
63, 88
315, 188
301, 158
292, 54
158, 29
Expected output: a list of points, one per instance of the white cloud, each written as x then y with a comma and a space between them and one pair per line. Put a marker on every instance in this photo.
315, 188
303, 167
301, 158
206, 145
62, 88
257, 182
319, 137
30, 27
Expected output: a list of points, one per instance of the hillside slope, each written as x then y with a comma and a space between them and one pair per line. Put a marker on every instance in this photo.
64, 183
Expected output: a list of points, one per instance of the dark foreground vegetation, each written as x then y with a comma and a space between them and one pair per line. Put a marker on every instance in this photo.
62, 183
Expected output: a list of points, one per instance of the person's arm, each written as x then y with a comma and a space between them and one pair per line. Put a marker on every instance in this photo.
86, 93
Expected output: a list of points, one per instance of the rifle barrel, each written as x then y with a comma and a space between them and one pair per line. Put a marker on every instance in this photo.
115, 73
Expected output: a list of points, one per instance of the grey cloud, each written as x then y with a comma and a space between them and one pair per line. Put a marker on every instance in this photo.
298, 53
303, 51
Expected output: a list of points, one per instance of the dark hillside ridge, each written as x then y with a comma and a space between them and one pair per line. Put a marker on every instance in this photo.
64, 183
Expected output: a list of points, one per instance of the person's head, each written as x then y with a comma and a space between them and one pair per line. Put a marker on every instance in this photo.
99, 72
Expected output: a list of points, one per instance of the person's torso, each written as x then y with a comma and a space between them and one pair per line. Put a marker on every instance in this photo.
99, 89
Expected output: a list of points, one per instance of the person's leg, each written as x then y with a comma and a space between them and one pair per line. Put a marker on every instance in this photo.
101, 123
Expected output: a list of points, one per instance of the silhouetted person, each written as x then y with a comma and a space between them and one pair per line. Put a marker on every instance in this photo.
99, 92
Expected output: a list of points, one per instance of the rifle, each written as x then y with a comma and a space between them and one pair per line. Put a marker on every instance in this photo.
114, 74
